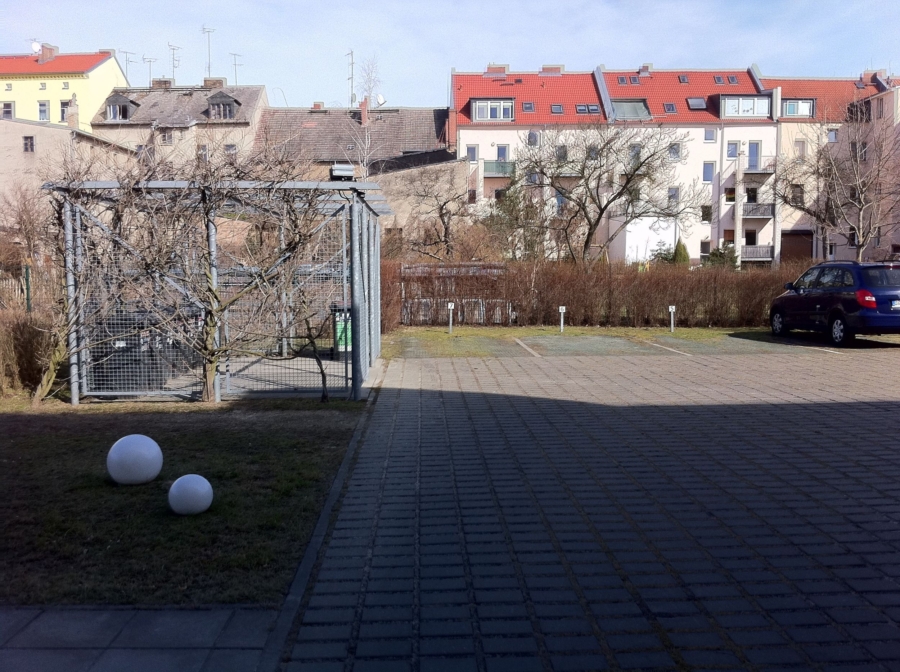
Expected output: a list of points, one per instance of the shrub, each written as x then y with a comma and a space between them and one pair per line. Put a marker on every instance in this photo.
25, 344
681, 256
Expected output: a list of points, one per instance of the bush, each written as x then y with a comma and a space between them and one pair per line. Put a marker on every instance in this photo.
681, 256
25, 344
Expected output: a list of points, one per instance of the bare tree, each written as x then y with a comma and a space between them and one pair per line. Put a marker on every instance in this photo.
370, 81
848, 184
619, 173
438, 197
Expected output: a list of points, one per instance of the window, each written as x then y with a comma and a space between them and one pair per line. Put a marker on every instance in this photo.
797, 195
556, 108
706, 213
117, 112
709, 170
28, 143
635, 79
65, 86
63, 110
669, 108
203, 153
631, 109
746, 107
675, 151
683, 79
230, 151
533, 178
9, 87
731, 150
503, 152
704, 248
674, 194
696, 103
830, 254
879, 108
562, 153
43, 111
634, 155
800, 148
806, 280
146, 153
7, 111
165, 137
593, 153
732, 79
832, 135
560, 203
709, 135
752, 194
749, 237
718, 79
729, 194
499, 194
534, 138
858, 151
797, 108
43, 86
527, 107
593, 109
621, 79
472, 196
472, 153
494, 110
221, 111
581, 109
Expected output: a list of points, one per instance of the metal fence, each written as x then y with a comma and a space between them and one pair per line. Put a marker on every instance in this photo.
239, 302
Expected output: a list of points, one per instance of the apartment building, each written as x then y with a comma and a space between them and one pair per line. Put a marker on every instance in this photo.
46, 86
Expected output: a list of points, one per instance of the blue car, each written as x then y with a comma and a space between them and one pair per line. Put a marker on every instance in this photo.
842, 299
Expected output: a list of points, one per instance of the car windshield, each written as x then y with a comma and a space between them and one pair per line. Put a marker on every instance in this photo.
882, 276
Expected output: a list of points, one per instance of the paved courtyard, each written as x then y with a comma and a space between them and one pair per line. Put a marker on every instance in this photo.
629, 512
659, 507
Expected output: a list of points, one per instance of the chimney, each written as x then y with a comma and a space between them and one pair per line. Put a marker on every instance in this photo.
497, 69
552, 69
48, 53
162, 83
364, 112
645, 70
214, 83
318, 106
72, 112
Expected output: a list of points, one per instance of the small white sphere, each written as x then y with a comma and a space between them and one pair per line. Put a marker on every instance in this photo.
190, 494
134, 459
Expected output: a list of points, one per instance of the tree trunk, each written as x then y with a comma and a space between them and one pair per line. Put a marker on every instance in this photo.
57, 357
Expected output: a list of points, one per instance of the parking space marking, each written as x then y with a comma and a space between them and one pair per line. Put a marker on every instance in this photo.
671, 349
526, 347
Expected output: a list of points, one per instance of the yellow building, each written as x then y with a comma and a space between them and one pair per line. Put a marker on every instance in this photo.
51, 87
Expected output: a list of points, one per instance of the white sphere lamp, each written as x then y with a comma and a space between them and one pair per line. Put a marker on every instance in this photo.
134, 459
190, 495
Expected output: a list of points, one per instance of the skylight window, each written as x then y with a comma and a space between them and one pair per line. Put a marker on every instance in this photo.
732, 79
581, 109
631, 109
669, 108
635, 79
683, 79
718, 79
622, 79
593, 109
696, 103
556, 108
527, 107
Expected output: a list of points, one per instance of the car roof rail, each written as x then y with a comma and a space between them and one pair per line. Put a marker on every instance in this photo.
840, 261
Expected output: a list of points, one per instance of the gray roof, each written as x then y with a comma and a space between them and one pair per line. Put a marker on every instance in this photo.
334, 134
181, 106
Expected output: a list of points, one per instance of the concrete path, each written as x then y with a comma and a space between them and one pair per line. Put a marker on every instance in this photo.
591, 513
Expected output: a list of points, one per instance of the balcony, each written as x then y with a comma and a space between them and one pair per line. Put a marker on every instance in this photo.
757, 252
499, 168
763, 210
758, 165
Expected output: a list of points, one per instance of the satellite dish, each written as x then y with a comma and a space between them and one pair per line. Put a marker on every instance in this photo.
380, 100
36, 47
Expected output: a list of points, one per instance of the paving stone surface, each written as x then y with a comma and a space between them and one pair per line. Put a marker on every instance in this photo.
733, 511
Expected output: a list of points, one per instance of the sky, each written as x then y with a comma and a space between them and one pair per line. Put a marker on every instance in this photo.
298, 49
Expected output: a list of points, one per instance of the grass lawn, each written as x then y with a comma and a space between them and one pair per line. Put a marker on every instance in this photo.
71, 535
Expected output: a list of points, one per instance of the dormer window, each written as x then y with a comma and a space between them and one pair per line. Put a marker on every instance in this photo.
493, 110
222, 106
119, 108
797, 108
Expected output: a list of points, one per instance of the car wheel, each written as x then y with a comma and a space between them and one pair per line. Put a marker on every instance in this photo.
838, 331
779, 328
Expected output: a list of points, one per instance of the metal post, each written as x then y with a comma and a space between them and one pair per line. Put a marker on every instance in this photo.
365, 297
214, 283
28, 287
356, 297
79, 298
344, 281
373, 292
377, 262
70, 302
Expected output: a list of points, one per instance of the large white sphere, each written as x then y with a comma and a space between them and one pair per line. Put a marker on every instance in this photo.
134, 459
190, 494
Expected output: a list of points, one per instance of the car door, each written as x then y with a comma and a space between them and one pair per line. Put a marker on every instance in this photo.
796, 302
824, 295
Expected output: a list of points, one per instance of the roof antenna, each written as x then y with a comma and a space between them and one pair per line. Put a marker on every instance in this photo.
350, 64
35, 45
208, 32
127, 60
175, 60
149, 62
236, 65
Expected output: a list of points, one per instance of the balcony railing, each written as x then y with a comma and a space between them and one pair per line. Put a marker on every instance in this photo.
757, 252
761, 165
765, 210
499, 168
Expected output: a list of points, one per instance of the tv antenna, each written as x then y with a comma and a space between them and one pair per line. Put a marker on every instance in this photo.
208, 32
236, 65
149, 62
175, 60
351, 96
127, 60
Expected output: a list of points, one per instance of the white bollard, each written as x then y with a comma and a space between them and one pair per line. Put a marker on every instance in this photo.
450, 306
562, 316
672, 319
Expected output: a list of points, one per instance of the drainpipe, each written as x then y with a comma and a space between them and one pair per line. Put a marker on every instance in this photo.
739, 206
776, 222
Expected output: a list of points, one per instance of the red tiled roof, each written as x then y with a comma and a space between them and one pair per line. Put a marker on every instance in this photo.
831, 95
63, 64
567, 89
663, 86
